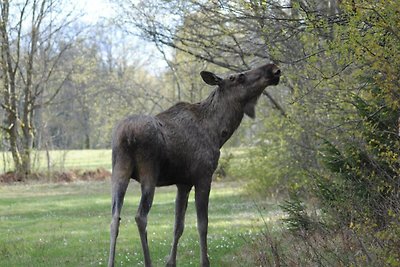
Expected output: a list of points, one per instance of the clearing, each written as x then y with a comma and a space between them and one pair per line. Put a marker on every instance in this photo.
67, 224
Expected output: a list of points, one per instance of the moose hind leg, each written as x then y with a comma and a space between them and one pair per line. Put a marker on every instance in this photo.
180, 210
141, 219
120, 181
202, 193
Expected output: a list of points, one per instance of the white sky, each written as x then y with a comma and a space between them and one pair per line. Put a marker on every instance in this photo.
94, 9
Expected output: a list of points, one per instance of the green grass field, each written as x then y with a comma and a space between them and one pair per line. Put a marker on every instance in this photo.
60, 160
68, 225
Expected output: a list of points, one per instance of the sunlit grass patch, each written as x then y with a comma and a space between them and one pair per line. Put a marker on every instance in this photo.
68, 225
61, 160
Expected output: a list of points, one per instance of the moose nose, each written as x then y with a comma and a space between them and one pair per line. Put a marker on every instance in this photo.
276, 72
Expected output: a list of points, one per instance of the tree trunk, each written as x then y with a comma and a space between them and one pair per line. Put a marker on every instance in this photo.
19, 124
24, 73
9, 88
87, 141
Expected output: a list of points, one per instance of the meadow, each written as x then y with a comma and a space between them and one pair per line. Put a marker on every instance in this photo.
67, 224
61, 160
87, 159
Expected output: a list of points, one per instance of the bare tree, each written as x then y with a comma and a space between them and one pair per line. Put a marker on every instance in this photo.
32, 44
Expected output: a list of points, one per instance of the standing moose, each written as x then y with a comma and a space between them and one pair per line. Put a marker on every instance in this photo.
181, 146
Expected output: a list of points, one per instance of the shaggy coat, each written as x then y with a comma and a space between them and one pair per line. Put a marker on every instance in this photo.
181, 146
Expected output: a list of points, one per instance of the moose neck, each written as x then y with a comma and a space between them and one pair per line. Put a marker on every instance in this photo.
222, 115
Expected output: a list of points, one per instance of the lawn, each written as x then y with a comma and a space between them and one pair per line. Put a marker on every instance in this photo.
68, 225
61, 160
86, 159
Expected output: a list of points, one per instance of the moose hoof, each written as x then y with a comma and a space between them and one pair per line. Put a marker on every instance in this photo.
206, 263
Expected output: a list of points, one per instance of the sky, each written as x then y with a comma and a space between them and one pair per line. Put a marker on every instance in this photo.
94, 10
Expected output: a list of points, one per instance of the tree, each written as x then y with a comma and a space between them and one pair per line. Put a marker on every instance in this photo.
33, 42
351, 102
362, 168
231, 35
108, 81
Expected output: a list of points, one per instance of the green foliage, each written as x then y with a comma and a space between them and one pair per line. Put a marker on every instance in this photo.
223, 165
361, 186
354, 112
271, 165
297, 219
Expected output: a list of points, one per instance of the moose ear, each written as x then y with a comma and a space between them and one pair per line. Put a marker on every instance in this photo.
210, 78
250, 108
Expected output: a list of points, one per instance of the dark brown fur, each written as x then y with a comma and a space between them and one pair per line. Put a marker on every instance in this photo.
182, 146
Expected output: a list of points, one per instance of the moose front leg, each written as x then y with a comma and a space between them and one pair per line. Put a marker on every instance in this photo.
202, 194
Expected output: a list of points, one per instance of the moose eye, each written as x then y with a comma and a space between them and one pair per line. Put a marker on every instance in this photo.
232, 78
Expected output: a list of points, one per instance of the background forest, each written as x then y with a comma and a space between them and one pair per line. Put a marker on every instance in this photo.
326, 139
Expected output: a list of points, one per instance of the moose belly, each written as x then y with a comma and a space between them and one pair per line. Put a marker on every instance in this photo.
187, 171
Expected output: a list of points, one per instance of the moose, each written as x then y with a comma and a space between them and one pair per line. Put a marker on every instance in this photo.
181, 146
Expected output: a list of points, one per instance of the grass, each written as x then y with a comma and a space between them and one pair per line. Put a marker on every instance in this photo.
60, 160
68, 225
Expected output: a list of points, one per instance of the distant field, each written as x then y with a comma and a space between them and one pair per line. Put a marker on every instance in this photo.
60, 160
68, 225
